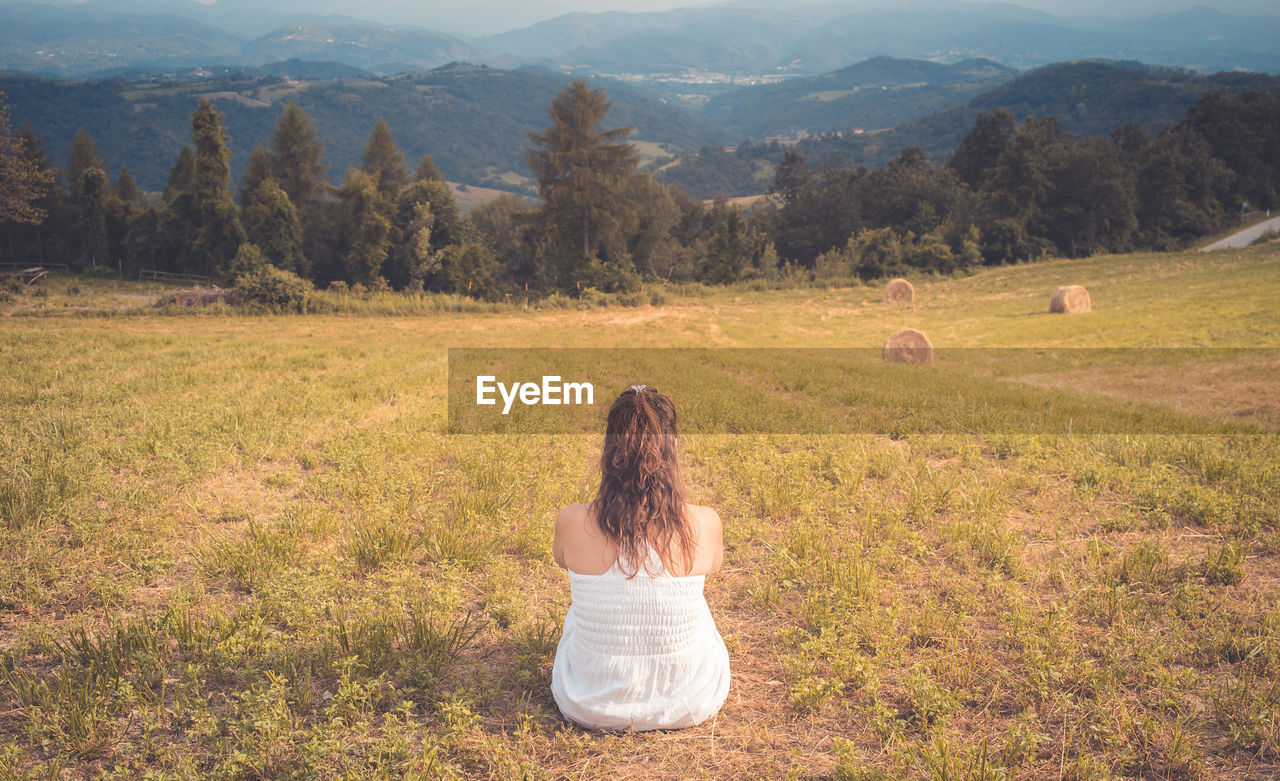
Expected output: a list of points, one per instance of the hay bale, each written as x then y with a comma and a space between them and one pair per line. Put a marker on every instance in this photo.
899, 290
908, 346
195, 296
1070, 300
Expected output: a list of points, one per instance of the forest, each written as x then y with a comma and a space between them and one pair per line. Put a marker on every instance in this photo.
1011, 192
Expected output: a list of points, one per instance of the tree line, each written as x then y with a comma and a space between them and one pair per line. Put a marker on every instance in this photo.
1010, 192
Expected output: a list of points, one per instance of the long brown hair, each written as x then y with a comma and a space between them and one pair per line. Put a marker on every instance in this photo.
641, 502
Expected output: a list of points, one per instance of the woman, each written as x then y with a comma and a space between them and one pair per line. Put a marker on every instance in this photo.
639, 649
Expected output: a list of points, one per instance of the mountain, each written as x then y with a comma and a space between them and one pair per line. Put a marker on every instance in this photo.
876, 93
704, 46
736, 39
58, 41
370, 47
471, 119
1089, 97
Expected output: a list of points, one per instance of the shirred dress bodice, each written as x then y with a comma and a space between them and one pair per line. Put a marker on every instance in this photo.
639, 653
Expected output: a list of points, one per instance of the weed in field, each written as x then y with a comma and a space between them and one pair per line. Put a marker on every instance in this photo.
1225, 566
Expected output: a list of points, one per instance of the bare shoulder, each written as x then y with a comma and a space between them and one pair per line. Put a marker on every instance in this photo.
710, 539
571, 528
572, 517
705, 519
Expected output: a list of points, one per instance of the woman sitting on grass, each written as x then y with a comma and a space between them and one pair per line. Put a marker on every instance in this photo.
639, 650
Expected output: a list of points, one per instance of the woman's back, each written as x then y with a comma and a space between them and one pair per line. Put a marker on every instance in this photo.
639, 648
579, 545
639, 652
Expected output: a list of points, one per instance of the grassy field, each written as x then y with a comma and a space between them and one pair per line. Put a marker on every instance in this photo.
240, 546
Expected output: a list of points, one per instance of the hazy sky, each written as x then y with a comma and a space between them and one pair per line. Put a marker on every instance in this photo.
479, 17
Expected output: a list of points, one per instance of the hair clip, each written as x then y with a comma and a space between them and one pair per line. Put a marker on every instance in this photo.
638, 388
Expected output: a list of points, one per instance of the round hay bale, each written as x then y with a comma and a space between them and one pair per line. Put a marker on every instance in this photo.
899, 290
908, 346
1070, 300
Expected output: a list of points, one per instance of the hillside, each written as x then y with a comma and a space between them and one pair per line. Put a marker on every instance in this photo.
472, 120
381, 50
876, 93
1090, 97
57, 41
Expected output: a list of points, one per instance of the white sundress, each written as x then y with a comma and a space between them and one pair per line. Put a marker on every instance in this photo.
640, 653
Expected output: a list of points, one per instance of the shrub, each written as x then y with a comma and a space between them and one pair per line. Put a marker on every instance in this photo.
275, 288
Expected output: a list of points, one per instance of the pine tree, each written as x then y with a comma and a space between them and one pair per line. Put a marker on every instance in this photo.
181, 175
257, 168
366, 230
427, 170
81, 156
295, 158
383, 159
581, 171
128, 191
295, 164
219, 233
91, 218
23, 180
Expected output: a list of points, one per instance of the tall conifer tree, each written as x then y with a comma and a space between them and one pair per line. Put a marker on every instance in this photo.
218, 232
384, 160
81, 156
581, 170
295, 158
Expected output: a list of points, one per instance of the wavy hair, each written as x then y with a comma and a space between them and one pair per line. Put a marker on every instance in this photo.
641, 502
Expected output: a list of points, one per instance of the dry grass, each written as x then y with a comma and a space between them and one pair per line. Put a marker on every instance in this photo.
240, 547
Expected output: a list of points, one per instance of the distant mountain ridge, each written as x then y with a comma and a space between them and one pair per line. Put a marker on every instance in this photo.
1089, 97
377, 49
818, 39
471, 119
102, 35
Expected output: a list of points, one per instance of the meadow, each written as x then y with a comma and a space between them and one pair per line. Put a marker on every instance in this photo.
243, 546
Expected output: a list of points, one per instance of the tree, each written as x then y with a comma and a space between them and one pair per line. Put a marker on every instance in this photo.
427, 170
505, 225
581, 171
295, 163
181, 175
23, 182
468, 268
128, 191
912, 195
214, 221
295, 158
271, 224
91, 217
819, 211
383, 158
981, 148
257, 168
725, 256
81, 156
424, 221
651, 244
366, 230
